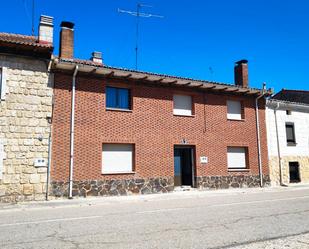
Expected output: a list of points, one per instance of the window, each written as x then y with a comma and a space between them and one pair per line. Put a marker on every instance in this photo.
290, 133
237, 157
118, 98
182, 105
234, 110
117, 158
288, 112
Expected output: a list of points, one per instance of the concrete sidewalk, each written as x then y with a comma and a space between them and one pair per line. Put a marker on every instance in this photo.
193, 193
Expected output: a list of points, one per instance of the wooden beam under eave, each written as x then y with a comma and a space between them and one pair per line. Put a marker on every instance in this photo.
232, 90
110, 74
128, 76
143, 78
159, 80
208, 87
92, 71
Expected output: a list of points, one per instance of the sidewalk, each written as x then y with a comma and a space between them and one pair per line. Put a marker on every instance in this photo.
102, 200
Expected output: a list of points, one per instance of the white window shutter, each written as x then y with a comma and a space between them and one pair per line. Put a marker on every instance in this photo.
236, 157
234, 110
182, 105
117, 158
3, 82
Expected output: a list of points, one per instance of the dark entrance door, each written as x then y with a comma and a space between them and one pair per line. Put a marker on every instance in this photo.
183, 168
294, 172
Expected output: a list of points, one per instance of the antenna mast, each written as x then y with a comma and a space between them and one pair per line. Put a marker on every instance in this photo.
32, 18
138, 14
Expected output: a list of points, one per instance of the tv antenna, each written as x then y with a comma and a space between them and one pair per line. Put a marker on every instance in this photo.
138, 14
32, 28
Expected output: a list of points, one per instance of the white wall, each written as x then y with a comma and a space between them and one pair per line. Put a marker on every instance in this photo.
300, 118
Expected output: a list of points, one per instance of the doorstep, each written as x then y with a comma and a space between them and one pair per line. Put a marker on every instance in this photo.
184, 188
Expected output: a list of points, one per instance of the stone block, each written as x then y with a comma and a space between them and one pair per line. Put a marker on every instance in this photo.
38, 188
35, 178
28, 189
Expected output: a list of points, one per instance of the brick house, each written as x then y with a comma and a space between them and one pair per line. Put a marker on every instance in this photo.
118, 131
25, 111
287, 118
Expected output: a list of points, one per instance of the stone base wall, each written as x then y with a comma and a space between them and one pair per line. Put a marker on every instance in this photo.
275, 173
113, 187
223, 182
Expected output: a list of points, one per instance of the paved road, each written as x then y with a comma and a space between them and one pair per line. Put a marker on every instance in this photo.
269, 218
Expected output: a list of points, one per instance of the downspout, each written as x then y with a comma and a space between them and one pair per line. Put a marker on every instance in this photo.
48, 166
278, 146
72, 133
49, 120
258, 136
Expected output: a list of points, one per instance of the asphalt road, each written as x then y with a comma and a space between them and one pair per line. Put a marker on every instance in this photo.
269, 218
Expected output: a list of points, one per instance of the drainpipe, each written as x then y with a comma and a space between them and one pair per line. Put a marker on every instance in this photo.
278, 146
72, 133
48, 166
258, 135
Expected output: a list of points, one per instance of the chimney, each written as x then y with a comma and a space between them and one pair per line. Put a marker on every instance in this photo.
97, 57
66, 40
46, 29
241, 73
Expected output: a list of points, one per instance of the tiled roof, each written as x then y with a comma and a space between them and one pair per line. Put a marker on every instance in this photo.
23, 40
100, 65
295, 96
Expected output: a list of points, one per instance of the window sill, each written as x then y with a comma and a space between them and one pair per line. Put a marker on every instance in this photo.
182, 115
118, 109
240, 120
118, 173
291, 144
238, 170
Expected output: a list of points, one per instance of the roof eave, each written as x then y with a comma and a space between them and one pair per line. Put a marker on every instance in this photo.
100, 70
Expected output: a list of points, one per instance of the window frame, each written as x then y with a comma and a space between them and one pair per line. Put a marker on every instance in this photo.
192, 105
246, 151
242, 111
288, 141
129, 109
132, 171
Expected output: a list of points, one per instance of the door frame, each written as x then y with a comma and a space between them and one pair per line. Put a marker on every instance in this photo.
193, 154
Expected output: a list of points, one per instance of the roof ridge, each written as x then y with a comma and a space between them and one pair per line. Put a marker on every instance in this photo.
295, 90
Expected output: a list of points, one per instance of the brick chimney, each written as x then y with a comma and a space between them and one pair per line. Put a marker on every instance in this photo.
66, 40
46, 29
97, 57
241, 73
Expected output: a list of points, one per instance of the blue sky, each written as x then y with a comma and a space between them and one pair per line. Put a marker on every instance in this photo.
192, 37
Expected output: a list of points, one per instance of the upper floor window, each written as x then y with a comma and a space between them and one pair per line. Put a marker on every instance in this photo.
288, 112
234, 110
290, 133
182, 105
118, 98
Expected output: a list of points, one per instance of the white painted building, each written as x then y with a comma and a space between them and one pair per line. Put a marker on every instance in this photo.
287, 118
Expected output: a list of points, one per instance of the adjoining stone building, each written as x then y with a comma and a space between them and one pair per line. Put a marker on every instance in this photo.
25, 113
287, 116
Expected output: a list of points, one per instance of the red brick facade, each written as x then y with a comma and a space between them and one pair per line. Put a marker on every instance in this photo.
152, 127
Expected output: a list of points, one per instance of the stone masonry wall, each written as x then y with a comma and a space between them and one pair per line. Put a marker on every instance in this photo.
24, 128
274, 169
113, 187
221, 182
